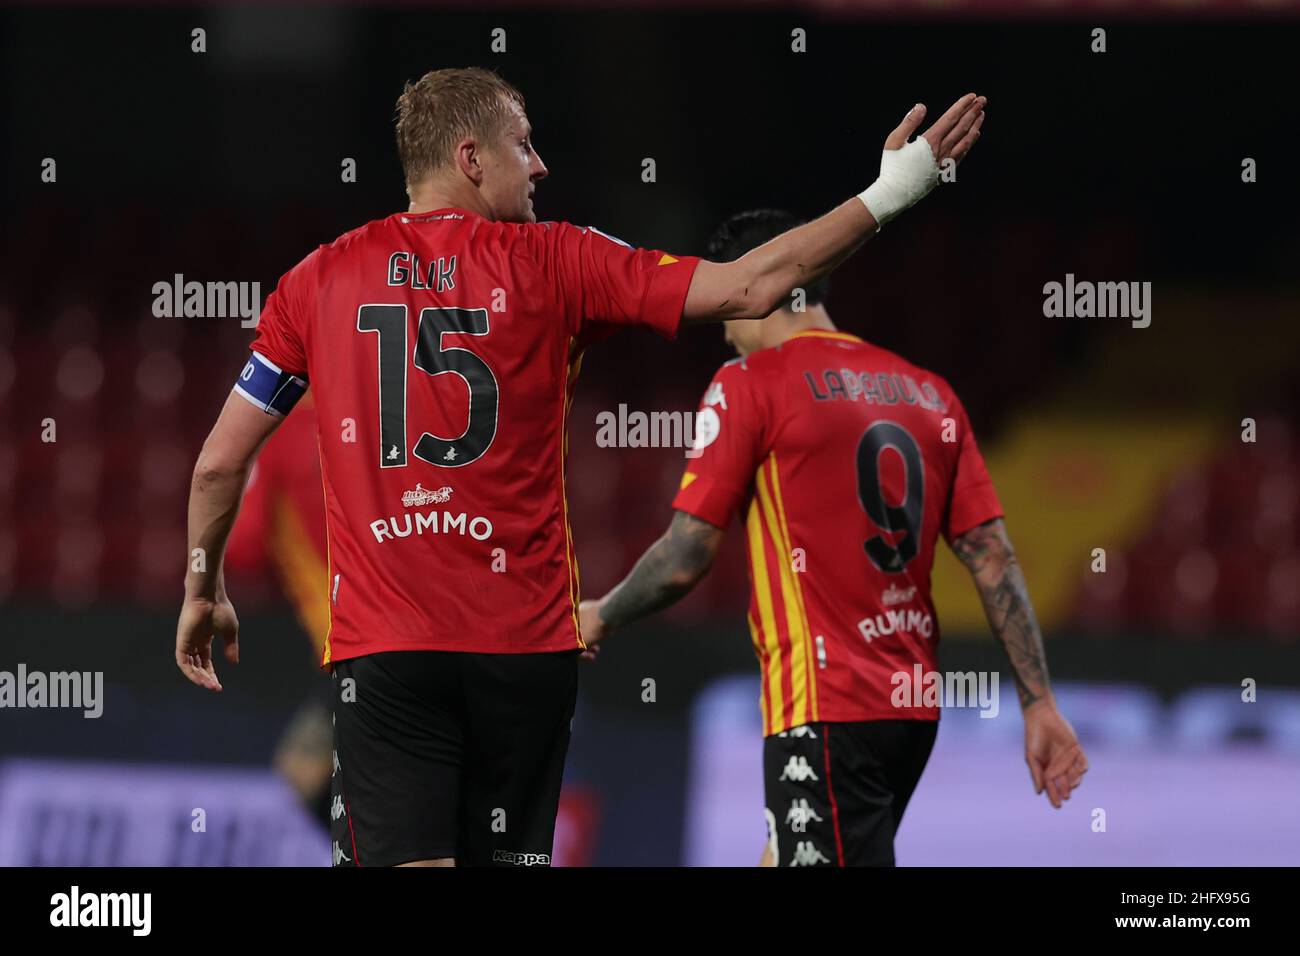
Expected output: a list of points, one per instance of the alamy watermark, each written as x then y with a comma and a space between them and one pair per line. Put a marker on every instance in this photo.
179, 299
131, 911
81, 690
1085, 300
694, 431
638, 429
954, 689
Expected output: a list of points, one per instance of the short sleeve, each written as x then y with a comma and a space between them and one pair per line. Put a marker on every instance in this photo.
281, 330
730, 444
973, 501
599, 279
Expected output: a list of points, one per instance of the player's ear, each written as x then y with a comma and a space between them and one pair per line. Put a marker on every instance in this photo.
469, 160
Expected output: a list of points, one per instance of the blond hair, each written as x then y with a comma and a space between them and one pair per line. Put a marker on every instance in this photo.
443, 107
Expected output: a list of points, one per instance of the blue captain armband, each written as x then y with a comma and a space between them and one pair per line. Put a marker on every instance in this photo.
268, 387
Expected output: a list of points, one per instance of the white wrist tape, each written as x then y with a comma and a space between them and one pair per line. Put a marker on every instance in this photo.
906, 175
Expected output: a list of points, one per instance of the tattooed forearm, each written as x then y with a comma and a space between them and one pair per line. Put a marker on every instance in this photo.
987, 553
671, 567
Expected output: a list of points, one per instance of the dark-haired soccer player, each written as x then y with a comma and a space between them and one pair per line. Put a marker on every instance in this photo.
442, 344
847, 463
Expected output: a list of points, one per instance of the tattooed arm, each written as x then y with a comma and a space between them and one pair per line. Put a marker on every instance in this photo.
666, 573
987, 553
1052, 751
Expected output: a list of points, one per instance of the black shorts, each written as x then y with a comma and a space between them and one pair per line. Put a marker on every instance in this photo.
836, 793
445, 754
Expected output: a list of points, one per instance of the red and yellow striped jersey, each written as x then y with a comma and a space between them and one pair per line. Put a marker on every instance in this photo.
849, 462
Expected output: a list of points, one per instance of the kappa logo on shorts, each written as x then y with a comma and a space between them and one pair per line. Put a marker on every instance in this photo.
798, 770
340, 856
521, 859
336, 808
807, 854
799, 815
803, 730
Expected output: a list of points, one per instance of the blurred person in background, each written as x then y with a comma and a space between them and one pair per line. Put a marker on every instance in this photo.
848, 462
282, 523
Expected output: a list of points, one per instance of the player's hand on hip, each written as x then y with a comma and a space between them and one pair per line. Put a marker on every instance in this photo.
200, 622
1052, 751
909, 170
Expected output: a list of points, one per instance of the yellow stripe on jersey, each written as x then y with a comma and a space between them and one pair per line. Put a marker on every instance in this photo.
798, 590
766, 618
305, 575
570, 560
757, 636
326, 658
800, 711
826, 334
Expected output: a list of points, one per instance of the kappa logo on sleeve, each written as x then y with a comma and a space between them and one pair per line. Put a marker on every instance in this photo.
716, 396
708, 423
707, 428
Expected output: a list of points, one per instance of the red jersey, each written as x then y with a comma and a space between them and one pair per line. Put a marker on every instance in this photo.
442, 349
851, 462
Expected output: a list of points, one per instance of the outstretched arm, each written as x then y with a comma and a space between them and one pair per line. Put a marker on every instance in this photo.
666, 573
754, 285
1052, 751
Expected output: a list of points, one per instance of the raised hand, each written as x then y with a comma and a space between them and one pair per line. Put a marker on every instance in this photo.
951, 135
909, 170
